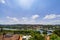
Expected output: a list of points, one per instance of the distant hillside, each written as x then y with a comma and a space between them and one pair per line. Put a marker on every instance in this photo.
29, 26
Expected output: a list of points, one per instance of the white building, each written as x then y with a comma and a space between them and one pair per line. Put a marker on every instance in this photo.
26, 37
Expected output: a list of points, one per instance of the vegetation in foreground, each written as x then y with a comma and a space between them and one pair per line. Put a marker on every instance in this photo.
36, 35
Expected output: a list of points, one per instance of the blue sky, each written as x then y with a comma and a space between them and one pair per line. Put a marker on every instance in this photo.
29, 11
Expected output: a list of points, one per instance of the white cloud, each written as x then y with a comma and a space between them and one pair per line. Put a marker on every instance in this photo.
45, 22
26, 4
51, 16
35, 16
12, 19
58, 15
51, 20
2, 1
29, 20
24, 18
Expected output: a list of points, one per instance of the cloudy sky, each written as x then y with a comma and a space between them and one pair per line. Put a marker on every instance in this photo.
29, 11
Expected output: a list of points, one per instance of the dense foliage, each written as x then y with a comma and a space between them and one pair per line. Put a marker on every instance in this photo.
57, 32
54, 37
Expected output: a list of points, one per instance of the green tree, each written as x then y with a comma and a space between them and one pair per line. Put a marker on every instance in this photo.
57, 32
53, 37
